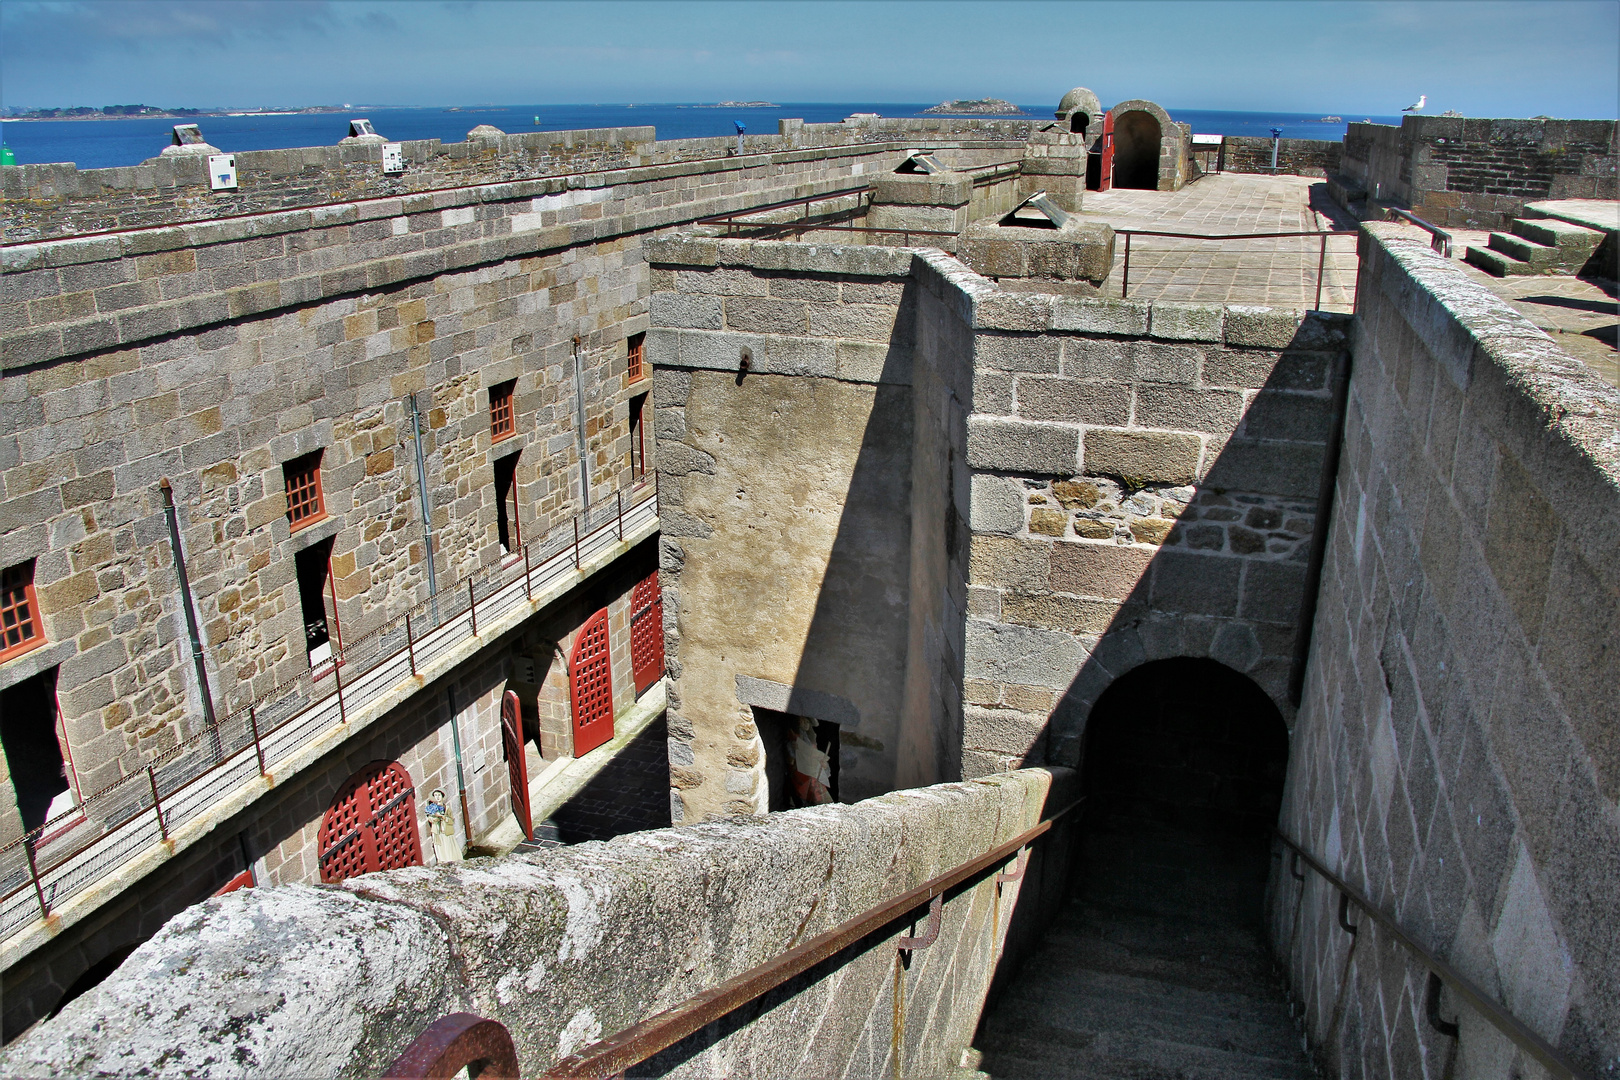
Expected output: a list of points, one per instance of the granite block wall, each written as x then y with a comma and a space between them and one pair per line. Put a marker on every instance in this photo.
1456, 755
1295, 157
1479, 173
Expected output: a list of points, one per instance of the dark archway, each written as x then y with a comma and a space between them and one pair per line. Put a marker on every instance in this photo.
1184, 767
1137, 136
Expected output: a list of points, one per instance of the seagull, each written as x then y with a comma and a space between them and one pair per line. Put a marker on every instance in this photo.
1422, 100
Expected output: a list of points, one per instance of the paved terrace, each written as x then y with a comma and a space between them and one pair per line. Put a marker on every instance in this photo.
1276, 272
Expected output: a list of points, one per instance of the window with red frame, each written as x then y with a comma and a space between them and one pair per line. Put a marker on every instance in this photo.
502, 413
20, 629
506, 505
638, 437
36, 753
305, 503
637, 366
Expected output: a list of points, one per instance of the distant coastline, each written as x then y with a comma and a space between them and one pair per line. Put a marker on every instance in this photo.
148, 112
977, 107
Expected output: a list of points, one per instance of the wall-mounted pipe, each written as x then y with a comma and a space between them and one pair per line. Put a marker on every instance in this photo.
461, 777
172, 513
422, 493
579, 427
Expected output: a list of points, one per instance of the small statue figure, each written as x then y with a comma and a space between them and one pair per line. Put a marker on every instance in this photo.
442, 828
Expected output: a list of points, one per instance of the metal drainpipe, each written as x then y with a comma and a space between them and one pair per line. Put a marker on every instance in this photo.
422, 493
579, 427
185, 595
461, 778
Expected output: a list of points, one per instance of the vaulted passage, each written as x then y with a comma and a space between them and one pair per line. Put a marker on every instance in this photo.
1159, 964
1136, 150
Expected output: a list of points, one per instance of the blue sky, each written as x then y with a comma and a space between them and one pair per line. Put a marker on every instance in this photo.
1483, 58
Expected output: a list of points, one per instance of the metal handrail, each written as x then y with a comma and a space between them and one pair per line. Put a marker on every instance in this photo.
1439, 239
1505, 1022
1321, 261
610, 1057
729, 218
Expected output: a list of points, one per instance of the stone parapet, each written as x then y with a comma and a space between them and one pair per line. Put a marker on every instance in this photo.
570, 945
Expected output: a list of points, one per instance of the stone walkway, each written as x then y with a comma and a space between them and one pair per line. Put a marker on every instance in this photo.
1277, 272
630, 794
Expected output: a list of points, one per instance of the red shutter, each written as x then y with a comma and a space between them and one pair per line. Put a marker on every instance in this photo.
517, 766
590, 685
371, 824
647, 632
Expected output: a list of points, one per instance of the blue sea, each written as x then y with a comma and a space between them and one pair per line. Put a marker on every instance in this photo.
95, 144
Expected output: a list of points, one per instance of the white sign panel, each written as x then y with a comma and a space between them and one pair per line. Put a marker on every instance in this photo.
222, 172
393, 158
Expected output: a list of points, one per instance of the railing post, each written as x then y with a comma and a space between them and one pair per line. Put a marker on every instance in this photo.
528, 590
576, 541
1125, 272
337, 680
157, 804
410, 642
620, 496
472, 606
253, 726
33, 872
1321, 265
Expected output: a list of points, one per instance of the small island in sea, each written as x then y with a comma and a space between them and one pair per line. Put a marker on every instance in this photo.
977, 107
742, 105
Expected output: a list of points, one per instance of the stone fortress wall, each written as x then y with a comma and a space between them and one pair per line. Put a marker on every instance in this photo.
1456, 752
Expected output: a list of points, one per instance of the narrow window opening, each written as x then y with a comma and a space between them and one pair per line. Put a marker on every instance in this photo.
638, 437
636, 368
31, 730
317, 596
20, 628
506, 505
502, 411
801, 759
305, 501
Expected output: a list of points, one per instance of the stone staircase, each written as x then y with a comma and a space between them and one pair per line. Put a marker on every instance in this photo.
1536, 246
1157, 970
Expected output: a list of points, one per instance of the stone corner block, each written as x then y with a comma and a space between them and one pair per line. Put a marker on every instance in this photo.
1021, 446
1140, 457
1125, 318
1262, 327
1013, 311
997, 505
1185, 322
681, 250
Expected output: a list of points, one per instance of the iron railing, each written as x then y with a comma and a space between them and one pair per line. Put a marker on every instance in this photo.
1439, 239
1440, 972
1321, 261
70, 853
612, 1056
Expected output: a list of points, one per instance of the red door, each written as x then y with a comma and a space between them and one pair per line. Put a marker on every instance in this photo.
647, 632
517, 766
371, 824
590, 685
1107, 180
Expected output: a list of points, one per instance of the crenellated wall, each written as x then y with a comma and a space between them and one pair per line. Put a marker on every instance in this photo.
1457, 755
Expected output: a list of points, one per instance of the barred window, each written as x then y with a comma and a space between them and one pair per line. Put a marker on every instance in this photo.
305, 503
20, 628
502, 415
637, 367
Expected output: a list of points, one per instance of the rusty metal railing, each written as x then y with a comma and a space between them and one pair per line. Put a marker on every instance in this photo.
729, 219
1439, 972
1321, 261
611, 1057
1439, 239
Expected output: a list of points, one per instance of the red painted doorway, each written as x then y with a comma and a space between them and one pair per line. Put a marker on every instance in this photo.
517, 766
1106, 181
371, 824
647, 632
590, 685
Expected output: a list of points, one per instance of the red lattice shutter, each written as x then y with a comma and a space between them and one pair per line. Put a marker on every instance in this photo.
590, 689
517, 766
647, 632
371, 824
1107, 181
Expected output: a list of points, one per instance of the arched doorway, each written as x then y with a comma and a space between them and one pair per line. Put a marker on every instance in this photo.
1137, 135
1184, 767
371, 824
590, 685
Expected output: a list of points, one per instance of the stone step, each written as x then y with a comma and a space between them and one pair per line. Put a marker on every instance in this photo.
1043, 1051
1540, 256
1199, 967
1497, 263
1577, 240
1090, 992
